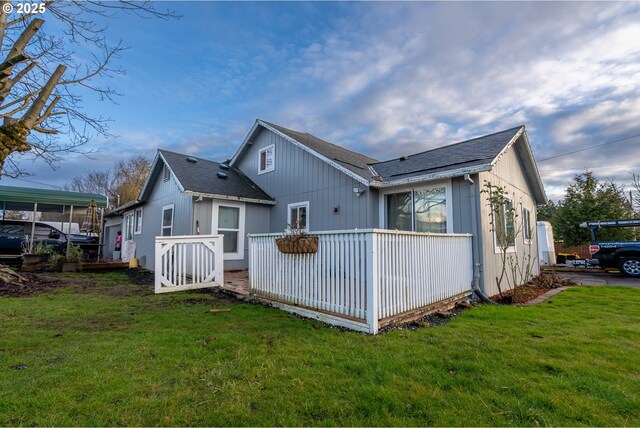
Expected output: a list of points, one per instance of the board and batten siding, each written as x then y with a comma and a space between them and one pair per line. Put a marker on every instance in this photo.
256, 217
300, 177
162, 193
508, 173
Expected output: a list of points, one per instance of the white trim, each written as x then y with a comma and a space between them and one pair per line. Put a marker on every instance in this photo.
173, 213
258, 123
272, 148
382, 201
153, 166
508, 146
238, 255
135, 222
229, 198
304, 204
166, 172
431, 177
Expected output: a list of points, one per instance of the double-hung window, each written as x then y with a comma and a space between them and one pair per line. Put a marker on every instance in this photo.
228, 220
267, 159
137, 226
527, 232
298, 216
128, 227
504, 227
418, 210
167, 220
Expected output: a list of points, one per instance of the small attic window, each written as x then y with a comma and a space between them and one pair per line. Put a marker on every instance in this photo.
266, 159
224, 166
166, 173
192, 159
221, 175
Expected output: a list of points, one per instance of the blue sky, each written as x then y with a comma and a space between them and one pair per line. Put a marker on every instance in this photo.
384, 79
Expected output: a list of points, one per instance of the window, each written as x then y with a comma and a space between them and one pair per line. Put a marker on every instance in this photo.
527, 233
166, 174
419, 210
167, 220
228, 220
297, 216
137, 227
504, 226
266, 159
128, 227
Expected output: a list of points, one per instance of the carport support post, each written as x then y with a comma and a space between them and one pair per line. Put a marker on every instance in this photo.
70, 220
33, 226
101, 232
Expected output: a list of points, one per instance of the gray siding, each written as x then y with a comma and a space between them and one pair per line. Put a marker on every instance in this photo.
507, 172
256, 221
462, 202
299, 177
162, 193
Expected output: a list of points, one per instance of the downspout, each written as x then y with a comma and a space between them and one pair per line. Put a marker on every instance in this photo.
475, 282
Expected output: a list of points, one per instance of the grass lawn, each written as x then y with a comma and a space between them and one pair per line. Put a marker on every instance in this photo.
107, 352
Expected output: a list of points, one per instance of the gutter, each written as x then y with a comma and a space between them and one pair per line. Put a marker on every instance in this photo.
475, 244
229, 198
433, 176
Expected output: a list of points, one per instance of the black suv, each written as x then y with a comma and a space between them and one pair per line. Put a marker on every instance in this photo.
14, 232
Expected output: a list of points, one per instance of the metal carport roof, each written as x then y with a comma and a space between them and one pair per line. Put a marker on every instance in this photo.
50, 197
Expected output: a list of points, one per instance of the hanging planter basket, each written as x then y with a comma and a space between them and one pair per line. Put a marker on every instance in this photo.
304, 245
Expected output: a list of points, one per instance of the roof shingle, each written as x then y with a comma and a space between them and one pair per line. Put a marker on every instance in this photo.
202, 177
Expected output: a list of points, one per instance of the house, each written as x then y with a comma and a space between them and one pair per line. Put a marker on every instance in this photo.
280, 177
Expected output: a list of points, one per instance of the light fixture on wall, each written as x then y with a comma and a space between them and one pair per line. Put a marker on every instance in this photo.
358, 191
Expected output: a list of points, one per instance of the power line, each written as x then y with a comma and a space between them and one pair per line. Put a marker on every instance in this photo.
589, 167
42, 184
590, 147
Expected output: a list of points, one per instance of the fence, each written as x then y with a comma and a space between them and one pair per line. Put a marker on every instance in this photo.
360, 277
188, 262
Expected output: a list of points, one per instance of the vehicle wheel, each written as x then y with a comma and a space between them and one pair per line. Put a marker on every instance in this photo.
630, 266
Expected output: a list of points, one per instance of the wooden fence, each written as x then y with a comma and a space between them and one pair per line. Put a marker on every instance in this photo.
359, 277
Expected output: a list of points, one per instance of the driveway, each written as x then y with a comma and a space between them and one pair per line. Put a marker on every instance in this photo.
589, 278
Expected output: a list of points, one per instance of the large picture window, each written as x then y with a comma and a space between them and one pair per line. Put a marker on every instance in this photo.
418, 210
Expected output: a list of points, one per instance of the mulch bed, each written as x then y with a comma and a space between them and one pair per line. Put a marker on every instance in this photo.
538, 285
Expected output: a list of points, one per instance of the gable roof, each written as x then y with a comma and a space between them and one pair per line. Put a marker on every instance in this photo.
466, 157
200, 177
354, 164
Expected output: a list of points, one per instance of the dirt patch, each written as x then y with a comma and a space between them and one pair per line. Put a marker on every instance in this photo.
538, 285
33, 284
140, 276
434, 319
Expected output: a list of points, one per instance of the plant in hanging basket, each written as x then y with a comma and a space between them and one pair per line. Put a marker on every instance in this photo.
296, 241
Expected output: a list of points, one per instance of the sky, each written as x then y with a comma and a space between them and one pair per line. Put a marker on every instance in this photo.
380, 78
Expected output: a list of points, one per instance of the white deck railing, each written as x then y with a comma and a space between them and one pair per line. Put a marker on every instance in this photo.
188, 262
359, 277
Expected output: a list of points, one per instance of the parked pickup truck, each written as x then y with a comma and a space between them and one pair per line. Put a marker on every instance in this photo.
624, 255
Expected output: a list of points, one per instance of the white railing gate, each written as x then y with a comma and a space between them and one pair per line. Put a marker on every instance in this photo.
188, 262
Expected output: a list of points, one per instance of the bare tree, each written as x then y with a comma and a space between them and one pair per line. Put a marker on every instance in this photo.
121, 183
43, 78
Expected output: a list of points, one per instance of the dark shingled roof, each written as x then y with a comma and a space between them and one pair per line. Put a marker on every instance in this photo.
354, 162
466, 154
201, 177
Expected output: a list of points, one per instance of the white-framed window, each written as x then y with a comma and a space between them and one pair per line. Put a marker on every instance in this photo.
504, 227
422, 209
228, 220
527, 232
267, 159
298, 215
137, 222
128, 226
166, 227
166, 174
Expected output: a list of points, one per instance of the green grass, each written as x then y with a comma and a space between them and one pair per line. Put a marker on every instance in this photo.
106, 352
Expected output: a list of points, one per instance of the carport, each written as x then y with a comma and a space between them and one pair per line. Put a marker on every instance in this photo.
13, 198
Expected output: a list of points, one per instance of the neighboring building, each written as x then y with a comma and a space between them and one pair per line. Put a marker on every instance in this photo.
279, 177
